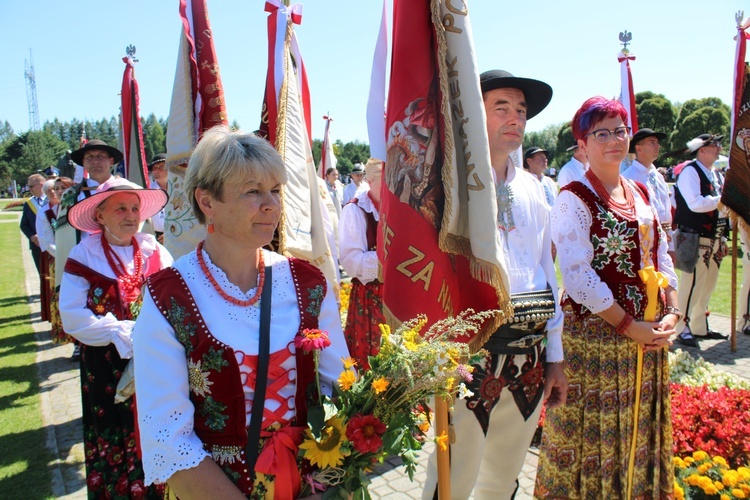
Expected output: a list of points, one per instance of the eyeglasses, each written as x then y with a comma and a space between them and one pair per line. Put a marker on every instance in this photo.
603, 135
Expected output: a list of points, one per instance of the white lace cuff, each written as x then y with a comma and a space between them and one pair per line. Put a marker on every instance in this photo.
169, 446
122, 338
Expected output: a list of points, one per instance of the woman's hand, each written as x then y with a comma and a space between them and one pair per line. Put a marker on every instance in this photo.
650, 336
669, 321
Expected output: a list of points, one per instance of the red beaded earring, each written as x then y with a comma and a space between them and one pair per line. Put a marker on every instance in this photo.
210, 228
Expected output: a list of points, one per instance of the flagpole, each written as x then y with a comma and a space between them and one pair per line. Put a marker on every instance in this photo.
443, 455
733, 330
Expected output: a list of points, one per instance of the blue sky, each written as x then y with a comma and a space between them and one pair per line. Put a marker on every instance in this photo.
684, 50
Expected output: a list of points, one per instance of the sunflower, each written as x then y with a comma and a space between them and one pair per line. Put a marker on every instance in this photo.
326, 452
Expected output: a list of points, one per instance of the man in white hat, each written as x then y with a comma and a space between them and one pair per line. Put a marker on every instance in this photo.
357, 176
574, 169
700, 240
494, 425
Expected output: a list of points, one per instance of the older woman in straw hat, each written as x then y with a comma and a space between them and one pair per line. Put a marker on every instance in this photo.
215, 341
100, 296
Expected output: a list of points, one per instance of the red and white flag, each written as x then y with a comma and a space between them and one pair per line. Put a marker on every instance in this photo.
286, 121
627, 97
327, 158
735, 196
376, 99
438, 245
131, 132
197, 105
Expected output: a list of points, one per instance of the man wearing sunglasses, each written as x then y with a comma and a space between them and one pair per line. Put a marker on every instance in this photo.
700, 240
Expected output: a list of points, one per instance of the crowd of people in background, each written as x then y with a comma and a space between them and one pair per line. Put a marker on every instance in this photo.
225, 360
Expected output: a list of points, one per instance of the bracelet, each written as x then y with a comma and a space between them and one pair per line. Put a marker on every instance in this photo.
624, 324
673, 310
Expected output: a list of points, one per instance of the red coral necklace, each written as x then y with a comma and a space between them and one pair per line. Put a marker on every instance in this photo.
128, 281
224, 295
626, 209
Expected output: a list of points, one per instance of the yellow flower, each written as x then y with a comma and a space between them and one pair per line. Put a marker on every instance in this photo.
349, 362
721, 462
379, 385
718, 485
346, 379
442, 441
411, 346
730, 478
679, 493
326, 452
678, 462
710, 490
724, 496
703, 468
689, 460
738, 493
700, 455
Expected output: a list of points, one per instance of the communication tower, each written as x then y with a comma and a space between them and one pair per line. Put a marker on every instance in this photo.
31, 92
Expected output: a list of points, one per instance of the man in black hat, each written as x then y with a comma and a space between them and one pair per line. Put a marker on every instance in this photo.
535, 162
646, 146
97, 159
700, 239
574, 169
357, 176
494, 425
157, 170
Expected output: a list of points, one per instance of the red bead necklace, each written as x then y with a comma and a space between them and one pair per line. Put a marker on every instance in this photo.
224, 295
128, 281
626, 209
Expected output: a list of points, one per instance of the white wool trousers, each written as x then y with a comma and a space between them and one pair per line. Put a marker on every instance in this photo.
695, 288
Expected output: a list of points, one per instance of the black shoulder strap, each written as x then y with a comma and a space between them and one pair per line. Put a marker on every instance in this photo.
261, 377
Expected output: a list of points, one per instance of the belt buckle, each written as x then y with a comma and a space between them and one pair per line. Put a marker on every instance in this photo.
527, 341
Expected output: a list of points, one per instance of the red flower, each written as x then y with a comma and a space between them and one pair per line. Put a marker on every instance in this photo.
364, 431
94, 481
137, 489
122, 487
115, 456
312, 339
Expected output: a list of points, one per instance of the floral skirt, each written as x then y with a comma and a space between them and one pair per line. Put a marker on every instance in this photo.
56, 332
47, 284
365, 314
586, 443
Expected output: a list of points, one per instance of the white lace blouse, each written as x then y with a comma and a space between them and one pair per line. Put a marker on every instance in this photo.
80, 321
165, 412
44, 230
571, 223
356, 258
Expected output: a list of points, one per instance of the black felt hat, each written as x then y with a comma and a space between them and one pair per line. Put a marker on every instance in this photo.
532, 151
538, 94
77, 155
644, 133
161, 157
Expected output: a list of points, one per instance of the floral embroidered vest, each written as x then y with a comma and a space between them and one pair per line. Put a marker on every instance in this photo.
617, 251
219, 419
105, 293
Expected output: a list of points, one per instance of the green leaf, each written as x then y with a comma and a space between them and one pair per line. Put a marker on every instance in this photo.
316, 418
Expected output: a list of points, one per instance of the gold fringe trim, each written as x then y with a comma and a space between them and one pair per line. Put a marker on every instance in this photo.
281, 129
483, 271
736, 219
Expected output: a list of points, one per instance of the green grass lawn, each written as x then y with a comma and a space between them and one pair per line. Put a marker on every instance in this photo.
24, 459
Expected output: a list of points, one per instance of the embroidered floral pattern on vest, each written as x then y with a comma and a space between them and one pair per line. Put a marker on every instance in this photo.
616, 244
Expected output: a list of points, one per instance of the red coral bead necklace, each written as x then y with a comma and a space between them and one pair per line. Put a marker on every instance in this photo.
224, 295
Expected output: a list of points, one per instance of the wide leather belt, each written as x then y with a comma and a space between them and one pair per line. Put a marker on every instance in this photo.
516, 338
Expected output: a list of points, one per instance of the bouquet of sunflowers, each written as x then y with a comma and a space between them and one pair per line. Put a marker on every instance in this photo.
382, 411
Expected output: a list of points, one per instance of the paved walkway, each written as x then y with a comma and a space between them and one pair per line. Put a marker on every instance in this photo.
61, 408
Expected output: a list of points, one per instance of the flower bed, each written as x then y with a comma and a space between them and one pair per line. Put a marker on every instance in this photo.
687, 370
700, 476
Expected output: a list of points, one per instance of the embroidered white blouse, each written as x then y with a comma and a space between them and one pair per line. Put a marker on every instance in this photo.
44, 230
80, 321
529, 249
571, 223
356, 258
165, 412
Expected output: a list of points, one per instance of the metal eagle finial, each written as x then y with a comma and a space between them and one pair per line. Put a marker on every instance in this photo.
625, 37
739, 16
130, 51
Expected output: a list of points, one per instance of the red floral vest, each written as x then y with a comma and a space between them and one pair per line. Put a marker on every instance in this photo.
219, 419
617, 250
105, 293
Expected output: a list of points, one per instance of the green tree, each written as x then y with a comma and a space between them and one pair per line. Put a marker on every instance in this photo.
564, 141
703, 120
29, 152
656, 113
545, 139
154, 138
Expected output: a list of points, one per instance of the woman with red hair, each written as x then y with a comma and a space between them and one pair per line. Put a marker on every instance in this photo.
613, 437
